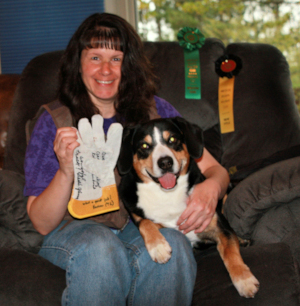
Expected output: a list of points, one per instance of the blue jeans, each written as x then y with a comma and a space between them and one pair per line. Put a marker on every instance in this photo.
107, 268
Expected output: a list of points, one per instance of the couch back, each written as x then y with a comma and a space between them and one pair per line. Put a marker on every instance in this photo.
266, 117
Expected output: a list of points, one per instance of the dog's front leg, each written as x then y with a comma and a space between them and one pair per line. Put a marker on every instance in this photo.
242, 278
156, 244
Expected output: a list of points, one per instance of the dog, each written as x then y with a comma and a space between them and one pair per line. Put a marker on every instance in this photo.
158, 171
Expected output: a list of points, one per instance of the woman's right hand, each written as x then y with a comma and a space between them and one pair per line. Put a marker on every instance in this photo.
47, 210
64, 144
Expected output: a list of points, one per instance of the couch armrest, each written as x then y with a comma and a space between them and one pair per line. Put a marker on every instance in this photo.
267, 190
8, 84
16, 229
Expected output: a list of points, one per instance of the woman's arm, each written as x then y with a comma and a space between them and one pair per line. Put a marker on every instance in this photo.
47, 210
202, 203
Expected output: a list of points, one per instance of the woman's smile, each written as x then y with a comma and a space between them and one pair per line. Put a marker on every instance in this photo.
104, 82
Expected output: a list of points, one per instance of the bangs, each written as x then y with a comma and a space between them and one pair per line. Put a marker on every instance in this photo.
103, 37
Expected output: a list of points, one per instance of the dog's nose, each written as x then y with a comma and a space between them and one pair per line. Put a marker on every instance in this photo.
165, 163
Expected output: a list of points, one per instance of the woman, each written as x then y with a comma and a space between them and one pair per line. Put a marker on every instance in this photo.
104, 70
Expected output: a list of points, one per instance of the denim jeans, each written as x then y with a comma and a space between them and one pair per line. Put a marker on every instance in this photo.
114, 268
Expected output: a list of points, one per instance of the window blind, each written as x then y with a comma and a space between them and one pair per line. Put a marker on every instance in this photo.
32, 27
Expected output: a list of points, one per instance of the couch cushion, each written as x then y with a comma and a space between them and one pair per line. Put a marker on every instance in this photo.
16, 229
29, 280
274, 190
272, 264
277, 223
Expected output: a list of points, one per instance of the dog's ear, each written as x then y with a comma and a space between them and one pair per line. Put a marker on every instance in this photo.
193, 136
125, 160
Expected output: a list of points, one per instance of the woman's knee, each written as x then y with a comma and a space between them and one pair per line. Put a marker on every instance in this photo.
88, 244
176, 239
98, 258
98, 251
181, 247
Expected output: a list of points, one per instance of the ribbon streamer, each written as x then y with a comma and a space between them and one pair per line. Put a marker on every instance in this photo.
227, 67
191, 40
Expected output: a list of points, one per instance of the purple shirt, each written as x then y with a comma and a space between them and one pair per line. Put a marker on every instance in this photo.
41, 163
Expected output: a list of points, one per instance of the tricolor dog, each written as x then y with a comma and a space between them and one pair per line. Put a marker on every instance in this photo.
158, 169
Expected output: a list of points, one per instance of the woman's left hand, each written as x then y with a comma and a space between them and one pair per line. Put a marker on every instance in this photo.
202, 203
201, 206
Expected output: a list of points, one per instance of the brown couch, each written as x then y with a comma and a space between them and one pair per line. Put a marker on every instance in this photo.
263, 205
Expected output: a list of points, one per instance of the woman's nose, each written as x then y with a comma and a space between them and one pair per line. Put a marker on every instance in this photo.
105, 68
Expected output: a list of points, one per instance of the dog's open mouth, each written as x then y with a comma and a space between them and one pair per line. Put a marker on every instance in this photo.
167, 181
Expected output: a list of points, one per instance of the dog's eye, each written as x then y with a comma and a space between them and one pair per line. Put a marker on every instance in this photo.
172, 139
145, 146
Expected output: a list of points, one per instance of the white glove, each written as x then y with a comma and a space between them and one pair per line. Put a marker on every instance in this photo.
104, 154
94, 162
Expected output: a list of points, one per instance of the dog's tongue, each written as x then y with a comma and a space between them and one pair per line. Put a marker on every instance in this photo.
168, 181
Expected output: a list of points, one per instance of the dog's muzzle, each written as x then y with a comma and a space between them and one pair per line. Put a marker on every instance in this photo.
168, 179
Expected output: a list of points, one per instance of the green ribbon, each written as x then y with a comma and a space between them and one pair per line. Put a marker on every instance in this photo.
191, 40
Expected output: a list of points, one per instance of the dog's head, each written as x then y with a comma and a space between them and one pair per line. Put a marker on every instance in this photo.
160, 150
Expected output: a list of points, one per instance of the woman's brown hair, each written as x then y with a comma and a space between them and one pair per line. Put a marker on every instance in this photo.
138, 82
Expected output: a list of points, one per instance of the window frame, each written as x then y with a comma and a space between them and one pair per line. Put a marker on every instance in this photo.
127, 9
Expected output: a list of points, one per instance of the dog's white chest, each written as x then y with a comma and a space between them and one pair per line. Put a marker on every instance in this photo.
160, 206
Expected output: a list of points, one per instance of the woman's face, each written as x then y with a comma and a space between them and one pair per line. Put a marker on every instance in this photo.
101, 74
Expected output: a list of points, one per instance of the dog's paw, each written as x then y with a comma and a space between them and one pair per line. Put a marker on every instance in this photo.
160, 251
246, 284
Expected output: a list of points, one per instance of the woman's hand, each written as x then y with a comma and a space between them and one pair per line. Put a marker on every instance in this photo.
201, 206
47, 210
202, 203
64, 144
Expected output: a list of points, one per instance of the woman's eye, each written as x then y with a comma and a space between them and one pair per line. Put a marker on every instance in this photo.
117, 60
95, 58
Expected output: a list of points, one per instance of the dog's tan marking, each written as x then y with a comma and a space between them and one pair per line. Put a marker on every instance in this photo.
242, 278
213, 225
212, 231
166, 135
140, 164
148, 139
183, 158
156, 244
